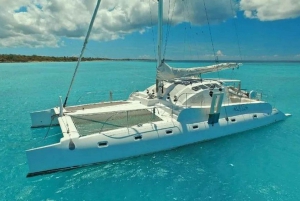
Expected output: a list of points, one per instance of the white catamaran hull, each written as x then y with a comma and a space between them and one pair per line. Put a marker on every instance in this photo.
122, 143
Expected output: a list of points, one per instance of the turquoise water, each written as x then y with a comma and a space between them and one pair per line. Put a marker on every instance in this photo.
261, 164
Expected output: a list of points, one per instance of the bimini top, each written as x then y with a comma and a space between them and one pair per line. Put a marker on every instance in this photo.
166, 72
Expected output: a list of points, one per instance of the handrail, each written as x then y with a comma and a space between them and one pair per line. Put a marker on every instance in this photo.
110, 94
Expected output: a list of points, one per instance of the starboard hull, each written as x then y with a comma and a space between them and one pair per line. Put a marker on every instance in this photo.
140, 140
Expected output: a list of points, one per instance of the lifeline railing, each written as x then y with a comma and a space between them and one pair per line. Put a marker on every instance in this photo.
104, 96
204, 102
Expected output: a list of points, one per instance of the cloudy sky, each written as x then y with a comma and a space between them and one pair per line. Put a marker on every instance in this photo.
194, 29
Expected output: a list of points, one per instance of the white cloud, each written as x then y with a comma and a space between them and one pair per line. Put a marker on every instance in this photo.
37, 23
268, 10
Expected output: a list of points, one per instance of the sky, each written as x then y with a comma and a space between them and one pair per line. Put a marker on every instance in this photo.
193, 30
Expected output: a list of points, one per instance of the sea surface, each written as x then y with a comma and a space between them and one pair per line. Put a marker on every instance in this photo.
261, 164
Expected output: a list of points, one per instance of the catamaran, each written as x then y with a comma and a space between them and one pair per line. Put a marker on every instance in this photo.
181, 108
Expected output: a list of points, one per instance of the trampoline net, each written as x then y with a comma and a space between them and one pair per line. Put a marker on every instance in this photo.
95, 123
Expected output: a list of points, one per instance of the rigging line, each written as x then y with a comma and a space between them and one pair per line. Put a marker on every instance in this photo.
236, 32
154, 49
52, 118
211, 39
93, 52
82, 50
169, 25
190, 27
145, 77
195, 35
66, 126
208, 23
185, 31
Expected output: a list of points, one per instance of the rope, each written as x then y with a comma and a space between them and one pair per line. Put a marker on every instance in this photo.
211, 39
237, 39
168, 26
52, 117
154, 49
236, 32
189, 16
185, 30
92, 52
208, 23
66, 126
196, 35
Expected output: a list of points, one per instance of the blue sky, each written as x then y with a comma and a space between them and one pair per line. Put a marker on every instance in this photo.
247, 29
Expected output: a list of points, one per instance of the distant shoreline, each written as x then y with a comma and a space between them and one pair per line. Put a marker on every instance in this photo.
15, 58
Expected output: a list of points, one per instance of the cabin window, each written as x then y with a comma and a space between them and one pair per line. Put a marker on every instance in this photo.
233, 120
254, 116
203, 86
139, 137
195, 126
169, 131
195, 88
103, 144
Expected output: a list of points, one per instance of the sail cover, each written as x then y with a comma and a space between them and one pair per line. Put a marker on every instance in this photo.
166, 72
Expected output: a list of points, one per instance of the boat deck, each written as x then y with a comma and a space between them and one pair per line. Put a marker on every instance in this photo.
99, 117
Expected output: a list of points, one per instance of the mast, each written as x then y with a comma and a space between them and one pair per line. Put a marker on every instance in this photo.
82, 50
159, 39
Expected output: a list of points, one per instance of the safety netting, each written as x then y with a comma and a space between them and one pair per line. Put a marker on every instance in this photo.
100, 122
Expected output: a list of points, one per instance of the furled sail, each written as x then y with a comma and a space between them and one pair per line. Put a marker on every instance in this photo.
166, 72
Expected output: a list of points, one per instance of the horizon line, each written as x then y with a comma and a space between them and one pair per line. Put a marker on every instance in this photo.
85, 59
